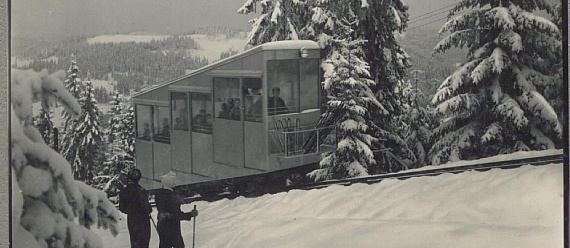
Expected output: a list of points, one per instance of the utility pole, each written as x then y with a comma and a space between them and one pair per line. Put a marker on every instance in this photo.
416, 78
55, 139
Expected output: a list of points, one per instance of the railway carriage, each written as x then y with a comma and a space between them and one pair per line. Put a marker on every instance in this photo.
248, 115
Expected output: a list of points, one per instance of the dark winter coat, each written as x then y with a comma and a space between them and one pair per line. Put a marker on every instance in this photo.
276, 105
169, 216
133, 201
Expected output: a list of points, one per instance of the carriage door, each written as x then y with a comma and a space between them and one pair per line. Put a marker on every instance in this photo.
254, 138
228, 124
181, 145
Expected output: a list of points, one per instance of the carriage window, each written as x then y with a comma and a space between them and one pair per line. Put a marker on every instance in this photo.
309, 84
143, 122
226, 95
202, 113
179, 106
283, 86
161, 124
253, 99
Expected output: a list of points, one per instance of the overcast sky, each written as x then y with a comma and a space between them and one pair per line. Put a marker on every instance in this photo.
73, 17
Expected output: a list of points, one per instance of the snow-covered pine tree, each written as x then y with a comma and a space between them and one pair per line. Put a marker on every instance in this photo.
418, 121
84, 140
75, 87
120, 151
374, 21
494, 102
348, 82
49, 208
45, 125
128, 132
116, 120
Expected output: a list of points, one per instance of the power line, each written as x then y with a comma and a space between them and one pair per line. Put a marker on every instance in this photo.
427, 17
434, 11
412, 28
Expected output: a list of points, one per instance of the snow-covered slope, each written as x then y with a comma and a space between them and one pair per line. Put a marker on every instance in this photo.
520, 207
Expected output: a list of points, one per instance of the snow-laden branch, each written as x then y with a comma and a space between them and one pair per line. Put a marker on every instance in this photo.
501, 17
48, 199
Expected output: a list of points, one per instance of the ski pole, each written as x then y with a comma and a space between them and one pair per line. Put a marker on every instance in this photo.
154, 224
194, 230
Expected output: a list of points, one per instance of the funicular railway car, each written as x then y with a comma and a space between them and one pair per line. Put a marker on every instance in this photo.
250, 114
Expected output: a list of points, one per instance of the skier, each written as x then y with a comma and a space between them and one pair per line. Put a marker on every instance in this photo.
133, 201
169, 214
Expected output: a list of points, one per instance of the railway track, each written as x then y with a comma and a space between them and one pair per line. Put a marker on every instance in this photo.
543, 160
510, 164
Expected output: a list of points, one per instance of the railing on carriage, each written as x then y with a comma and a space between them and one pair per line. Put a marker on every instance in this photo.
292, 139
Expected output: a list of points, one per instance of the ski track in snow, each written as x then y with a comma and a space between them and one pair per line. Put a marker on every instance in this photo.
520, 207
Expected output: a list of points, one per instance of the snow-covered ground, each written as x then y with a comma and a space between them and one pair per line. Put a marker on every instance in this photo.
118, 38
520, 207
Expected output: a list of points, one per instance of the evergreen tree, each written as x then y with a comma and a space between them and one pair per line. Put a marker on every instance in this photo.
348, 85
74, 86
417, 123
43, 121
374, 21
83, 143
45, 125
121, 146
494, 103
49, 208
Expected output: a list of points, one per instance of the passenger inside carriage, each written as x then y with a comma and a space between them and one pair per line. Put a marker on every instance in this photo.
275, 104
179, 125
146, 132
255, 106
233, 110
165, 128
203, 119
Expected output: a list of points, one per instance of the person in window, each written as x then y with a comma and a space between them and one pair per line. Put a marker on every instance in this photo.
146, 132
275, 103
178, 125
234, 113
184, 116
255, 108
165, 128
202, 118
225, 112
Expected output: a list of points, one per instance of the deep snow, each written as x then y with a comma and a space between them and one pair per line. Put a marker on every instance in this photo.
520, 207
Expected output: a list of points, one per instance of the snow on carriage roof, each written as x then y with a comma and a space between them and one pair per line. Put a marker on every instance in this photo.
290, 44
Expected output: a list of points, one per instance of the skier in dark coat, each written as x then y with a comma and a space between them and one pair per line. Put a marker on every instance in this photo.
169, 214
133, 201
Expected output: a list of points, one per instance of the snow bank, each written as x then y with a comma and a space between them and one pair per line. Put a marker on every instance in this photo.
520, 207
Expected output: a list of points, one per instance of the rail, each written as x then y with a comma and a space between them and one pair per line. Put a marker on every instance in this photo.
510, 164
542, 160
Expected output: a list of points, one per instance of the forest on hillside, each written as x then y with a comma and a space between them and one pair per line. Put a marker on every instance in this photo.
132, 65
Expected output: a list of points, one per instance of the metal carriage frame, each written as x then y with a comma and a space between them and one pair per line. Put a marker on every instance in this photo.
231, 150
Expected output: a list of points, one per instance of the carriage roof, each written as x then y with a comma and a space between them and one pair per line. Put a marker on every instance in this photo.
276, 45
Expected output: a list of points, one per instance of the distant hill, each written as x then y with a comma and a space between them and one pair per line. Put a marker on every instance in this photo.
53, 18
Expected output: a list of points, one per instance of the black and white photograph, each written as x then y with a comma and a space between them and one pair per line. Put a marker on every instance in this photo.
288, 123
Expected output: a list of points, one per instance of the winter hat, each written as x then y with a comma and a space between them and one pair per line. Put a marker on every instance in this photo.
169, 180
